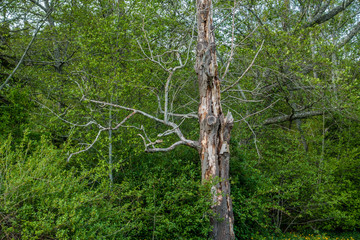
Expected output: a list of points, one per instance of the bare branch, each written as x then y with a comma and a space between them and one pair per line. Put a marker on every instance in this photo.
223, 20
26, 50
151, 58
87, 148
348, 37
131, 109
171, 71
159, 59
143, 140
249, 35
167, 95
242, 75
255, 113
188, 115
147, 41
172, 147
292, 117
68, 122
97, 136
319, 19
176, 129
121, 123
252, 130
39, 5
189, 48
170, 131
232, 42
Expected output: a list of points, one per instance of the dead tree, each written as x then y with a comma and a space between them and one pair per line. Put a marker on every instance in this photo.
215, 127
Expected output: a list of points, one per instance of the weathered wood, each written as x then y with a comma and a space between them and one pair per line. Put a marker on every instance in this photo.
214, 127
291, 117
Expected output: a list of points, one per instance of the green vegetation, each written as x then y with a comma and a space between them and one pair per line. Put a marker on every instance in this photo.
72, 166
44, 197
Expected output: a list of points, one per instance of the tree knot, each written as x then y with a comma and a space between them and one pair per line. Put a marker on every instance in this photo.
211, 119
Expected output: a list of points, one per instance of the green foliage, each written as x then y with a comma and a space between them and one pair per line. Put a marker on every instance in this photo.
289, 189
101, 49
44, 197
175, 204
250, 190
14, 112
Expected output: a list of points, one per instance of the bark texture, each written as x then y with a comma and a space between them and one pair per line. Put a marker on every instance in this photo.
215, 128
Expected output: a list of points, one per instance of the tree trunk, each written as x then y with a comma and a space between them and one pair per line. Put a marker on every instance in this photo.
214, 127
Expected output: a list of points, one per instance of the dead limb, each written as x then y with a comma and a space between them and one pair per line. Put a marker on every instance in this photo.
147, 143
98, 134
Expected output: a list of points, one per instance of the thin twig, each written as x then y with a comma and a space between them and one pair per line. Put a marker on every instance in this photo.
249, 67
97, 136
232, 42
68, 122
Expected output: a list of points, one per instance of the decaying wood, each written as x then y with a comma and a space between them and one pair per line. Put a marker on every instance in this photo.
214, 127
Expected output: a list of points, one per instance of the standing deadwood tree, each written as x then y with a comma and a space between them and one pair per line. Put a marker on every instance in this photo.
215, 128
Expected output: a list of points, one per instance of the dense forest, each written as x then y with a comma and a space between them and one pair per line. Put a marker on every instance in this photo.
187, 119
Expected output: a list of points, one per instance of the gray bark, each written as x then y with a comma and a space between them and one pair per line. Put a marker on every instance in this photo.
295, 116
322, 17
214, 127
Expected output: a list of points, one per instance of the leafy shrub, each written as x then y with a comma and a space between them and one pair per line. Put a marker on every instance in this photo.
43, 197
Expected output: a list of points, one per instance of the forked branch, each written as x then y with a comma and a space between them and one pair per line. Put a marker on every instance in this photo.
174, 126
98, 134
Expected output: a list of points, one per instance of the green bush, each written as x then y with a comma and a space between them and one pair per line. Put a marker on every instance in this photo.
289, 189
43, 197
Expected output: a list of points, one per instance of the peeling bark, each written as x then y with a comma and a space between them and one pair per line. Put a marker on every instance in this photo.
214, 127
